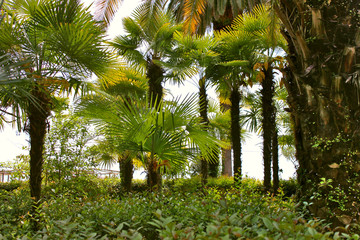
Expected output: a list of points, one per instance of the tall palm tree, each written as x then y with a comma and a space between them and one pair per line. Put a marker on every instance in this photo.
232, 71
190, 57
62, 46
263, 25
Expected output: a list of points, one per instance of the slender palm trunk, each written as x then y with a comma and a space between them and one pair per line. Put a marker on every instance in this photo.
275, 161
227, 167
267, 123
153, 176
155, 75
235, 132
203, 102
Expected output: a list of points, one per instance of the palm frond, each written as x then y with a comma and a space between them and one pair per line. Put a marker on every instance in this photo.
106, 10
193, 9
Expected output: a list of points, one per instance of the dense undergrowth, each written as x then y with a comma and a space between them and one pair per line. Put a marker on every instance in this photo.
90, 208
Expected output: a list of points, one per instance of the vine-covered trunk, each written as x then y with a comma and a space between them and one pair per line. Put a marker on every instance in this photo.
235, 132
126, 171
38, 113
323, 85
267, 92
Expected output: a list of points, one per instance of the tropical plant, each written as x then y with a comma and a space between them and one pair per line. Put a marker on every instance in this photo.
148, 41
61, 45
165, 135
231, 71
118, 82
263, 25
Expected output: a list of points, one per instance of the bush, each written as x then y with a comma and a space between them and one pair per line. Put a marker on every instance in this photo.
10, 186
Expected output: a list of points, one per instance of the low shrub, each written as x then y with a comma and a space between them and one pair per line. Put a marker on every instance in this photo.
10, 186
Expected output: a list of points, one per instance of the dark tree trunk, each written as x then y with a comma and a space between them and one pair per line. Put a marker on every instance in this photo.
38, 114
126, 171
153, 175
322, 82
275, 160
214, 165
211, 168
203, 102
226, 152
235, 132
155, 75
268, 121
267, 92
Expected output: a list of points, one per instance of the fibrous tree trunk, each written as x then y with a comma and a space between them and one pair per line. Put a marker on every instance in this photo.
267, 93
155, 75
275, 159
203, 102
235, 97
37, 114
226, 152
153, 175
323, 86
126, 171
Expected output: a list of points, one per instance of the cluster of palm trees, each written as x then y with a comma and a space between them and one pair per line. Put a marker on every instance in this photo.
53, 47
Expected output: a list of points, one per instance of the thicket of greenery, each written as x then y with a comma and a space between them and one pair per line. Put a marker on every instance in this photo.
92, 208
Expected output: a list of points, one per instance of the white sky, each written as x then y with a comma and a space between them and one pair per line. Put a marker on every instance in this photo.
11, 143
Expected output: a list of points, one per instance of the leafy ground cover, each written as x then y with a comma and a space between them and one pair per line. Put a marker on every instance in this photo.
90, 208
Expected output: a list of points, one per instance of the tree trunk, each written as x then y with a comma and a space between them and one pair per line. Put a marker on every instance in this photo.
235, 132
275, 160
322, 82
203, 103
155, 75
37, 115
267, 92
226, 152
126, 171
153, 175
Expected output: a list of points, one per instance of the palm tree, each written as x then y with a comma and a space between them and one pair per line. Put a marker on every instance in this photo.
165, 135
190, 57
62, 46
120, 82
263, 25
148, 42
232, 71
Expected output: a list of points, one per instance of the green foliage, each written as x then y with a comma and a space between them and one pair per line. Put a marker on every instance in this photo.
81, 208
67, 147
